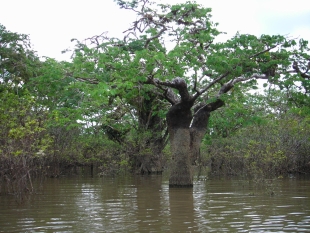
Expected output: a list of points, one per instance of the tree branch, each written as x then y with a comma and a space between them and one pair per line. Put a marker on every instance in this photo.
264, 51
298, 71
154, 37
198, 93
232, 82
88, 80
177, 83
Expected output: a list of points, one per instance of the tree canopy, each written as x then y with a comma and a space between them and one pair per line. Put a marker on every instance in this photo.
175, 47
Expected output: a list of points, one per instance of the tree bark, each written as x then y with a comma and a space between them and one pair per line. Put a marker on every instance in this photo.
178, 119
186, 133
199, 128
181, 171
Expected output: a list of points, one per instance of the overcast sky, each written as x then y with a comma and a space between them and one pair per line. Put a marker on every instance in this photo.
51, 24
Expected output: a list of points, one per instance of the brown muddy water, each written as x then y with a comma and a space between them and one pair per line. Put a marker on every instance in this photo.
146, 204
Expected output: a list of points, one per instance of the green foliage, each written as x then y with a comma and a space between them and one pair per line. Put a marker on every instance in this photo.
243, 110
24, 143
265, 151
17, 62
22, 131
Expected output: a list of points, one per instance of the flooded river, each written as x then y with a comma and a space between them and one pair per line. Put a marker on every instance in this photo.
146, 204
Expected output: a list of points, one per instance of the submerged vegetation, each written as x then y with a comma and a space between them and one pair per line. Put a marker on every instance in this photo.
135, 105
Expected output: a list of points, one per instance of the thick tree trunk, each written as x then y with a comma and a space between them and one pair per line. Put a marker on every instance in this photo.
186, 133
181, 171
199, 128
178, 119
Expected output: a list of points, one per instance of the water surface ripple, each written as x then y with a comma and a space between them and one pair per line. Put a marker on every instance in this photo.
146, 204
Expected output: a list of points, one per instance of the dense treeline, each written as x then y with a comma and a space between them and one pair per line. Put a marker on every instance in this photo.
273, 148
107, 108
